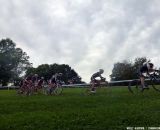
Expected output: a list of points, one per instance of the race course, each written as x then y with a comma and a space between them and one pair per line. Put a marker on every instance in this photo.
110, 108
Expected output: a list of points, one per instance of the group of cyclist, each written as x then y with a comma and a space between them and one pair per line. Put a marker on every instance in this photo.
33, 82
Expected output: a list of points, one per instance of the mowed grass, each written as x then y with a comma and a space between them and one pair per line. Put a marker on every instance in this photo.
111, 108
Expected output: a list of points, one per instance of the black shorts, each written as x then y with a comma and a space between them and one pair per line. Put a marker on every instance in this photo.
94, 80
141, 74
53, 81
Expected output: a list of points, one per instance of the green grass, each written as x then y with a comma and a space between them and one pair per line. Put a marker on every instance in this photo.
112, 108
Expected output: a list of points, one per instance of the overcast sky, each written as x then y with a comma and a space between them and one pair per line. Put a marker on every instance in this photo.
86, 34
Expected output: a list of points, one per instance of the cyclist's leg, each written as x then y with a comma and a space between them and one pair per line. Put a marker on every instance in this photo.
58, 89
25, 88
36, 87
51, 87
20, 90
93, 85
142, 80
30, 88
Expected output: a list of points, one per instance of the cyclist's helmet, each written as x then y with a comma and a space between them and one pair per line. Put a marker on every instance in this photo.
151, 65
53, 76
36, 75
101, 71
60, 74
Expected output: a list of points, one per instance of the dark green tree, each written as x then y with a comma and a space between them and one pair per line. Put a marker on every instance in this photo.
47, 71
122, 71
127, 70
13, 61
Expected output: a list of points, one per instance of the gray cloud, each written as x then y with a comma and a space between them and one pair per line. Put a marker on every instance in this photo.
87, 35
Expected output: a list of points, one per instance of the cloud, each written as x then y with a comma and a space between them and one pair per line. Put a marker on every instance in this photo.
87, 35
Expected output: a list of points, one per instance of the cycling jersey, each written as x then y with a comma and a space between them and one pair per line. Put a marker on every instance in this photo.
27, 80
54, 78
95, 75
144, 68
40, 82
34, 79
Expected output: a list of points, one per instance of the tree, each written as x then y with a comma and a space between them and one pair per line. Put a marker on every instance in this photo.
122, 71
13, 61
127, 70
47, 71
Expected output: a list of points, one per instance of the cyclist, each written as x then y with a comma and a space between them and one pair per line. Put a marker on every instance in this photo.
35, 82
146, 68
27, 80
53, 81
26, 84
40, 82
94, 80
35, 79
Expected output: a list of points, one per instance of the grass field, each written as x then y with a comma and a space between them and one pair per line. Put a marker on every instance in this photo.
111, 108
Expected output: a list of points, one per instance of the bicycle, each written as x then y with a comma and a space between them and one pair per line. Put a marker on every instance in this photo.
55, 89
28, 88
153, 79
97, 86
24, 88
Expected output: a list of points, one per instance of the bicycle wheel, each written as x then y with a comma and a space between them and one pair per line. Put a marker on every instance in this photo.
86, 91
135, 87
102, 90
58, 90
19, 92
45, 90
156, 84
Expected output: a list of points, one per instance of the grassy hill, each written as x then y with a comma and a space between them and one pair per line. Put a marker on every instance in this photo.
111, 108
